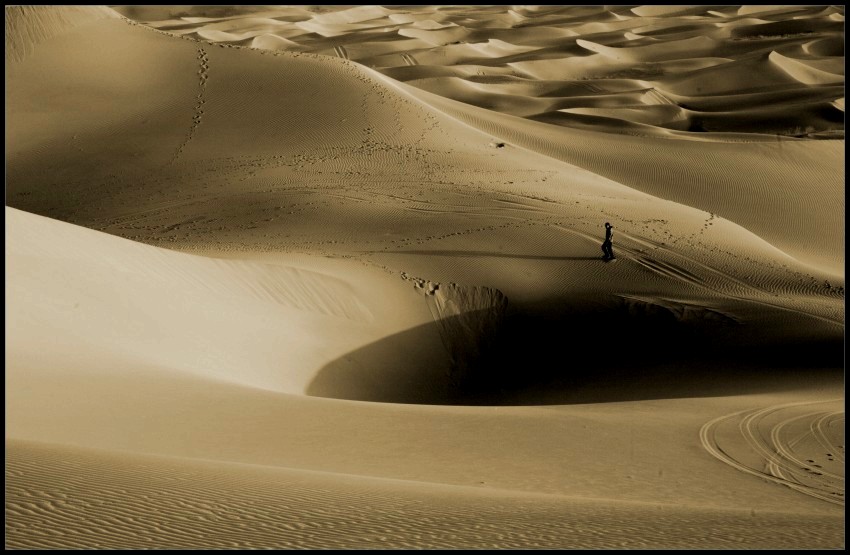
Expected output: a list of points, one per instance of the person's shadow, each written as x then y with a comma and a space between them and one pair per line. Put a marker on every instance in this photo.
491, 254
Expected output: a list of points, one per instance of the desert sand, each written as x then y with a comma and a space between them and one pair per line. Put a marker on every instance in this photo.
330, 277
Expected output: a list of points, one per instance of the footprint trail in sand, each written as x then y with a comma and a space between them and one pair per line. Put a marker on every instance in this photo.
203, 75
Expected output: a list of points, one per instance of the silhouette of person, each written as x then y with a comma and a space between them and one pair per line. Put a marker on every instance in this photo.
607, 245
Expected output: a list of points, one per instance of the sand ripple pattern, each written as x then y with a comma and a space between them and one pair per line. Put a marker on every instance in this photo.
798, 445
60, 497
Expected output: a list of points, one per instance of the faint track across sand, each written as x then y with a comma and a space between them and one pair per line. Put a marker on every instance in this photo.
673, 271
775, 444
409, 59
341, 52
203, 75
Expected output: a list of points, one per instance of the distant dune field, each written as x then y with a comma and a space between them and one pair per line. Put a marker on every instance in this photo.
331, 277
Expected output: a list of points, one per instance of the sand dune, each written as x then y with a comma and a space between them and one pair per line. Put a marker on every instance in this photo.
435, 35
352, 15
633, 42
272, 42
824, 47
149, 297
807, 72
669, 50
317, 277
716, 179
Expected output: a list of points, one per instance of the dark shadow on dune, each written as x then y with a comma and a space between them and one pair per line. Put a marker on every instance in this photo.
413, 366
590, 354
489, 254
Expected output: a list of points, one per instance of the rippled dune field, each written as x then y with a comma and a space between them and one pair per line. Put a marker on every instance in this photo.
652, 70
331, 277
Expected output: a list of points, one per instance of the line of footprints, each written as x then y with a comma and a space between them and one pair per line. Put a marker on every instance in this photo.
203, 73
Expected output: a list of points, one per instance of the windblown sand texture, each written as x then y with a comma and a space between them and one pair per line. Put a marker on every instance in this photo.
317, 277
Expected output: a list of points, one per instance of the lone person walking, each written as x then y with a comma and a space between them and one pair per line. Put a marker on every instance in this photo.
607, 245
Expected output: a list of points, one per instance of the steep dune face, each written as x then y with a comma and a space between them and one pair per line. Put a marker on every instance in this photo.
469, 319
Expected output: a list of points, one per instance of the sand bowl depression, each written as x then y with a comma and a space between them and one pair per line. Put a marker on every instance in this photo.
291, 277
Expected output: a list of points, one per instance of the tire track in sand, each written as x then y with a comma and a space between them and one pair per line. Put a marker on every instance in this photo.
817, 428
786, 449
767, 436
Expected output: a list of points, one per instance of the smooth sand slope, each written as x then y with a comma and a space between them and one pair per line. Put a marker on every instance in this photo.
267, 298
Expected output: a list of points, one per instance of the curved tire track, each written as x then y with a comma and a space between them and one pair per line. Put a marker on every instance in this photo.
820, 435
781, 463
